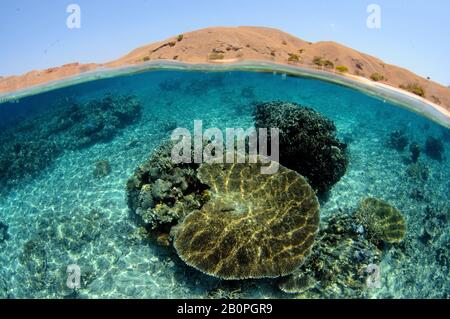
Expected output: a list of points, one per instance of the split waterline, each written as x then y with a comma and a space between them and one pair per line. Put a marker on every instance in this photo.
72, 150
379, 91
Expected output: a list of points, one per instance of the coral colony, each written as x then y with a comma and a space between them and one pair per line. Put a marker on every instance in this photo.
238, 141
233, 222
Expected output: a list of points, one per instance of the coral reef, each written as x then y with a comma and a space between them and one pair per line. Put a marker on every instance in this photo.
97, 120
34, 144
20, 159
381, 221
418, 172
102, 169
34, 259
3, 232
434, 225
161, 192
397, 140
338, 264
415, 150
376, 77
255, 225
308, 142
434, 148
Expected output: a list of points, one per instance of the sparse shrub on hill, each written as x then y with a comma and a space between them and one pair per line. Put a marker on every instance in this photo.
319, 61
342, 69
377, 77
414, 88
293, 57
216, 56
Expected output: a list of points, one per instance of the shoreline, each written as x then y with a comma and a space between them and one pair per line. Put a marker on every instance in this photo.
382, 91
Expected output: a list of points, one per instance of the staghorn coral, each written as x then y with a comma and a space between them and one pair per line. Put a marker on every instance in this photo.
161, 192
253, 226
308, 142
383, 222
337, 266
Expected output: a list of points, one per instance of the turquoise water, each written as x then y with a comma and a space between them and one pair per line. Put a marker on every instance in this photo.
61, 213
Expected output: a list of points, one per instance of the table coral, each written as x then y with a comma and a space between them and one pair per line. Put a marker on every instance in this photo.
253, 226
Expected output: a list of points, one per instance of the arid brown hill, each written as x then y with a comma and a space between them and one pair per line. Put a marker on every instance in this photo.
231, 44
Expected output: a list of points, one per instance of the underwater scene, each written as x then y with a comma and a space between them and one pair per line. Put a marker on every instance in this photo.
358, 207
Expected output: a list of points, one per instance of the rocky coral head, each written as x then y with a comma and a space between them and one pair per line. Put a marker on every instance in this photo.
337, 266
161, 192
307, 142
382, 221
434, 148
254, 225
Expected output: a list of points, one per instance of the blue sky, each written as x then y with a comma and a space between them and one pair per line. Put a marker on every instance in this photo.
33, 33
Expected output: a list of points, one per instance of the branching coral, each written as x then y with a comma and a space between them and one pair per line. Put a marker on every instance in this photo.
308, 142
